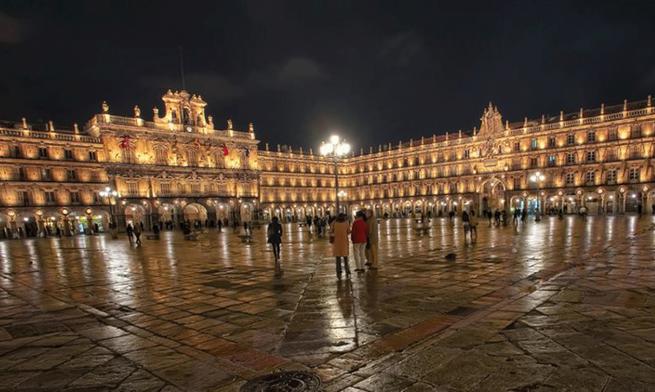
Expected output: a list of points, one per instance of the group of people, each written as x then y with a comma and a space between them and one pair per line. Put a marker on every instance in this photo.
134, 232
319, 223
363, 234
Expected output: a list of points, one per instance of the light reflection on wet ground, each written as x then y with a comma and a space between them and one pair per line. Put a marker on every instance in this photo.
218, 289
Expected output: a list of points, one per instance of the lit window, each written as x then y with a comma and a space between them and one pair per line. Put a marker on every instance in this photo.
591, 137
551, 142
570, 139
570, 179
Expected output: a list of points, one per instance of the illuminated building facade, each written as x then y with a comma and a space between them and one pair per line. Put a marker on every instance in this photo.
180, 167
600, 159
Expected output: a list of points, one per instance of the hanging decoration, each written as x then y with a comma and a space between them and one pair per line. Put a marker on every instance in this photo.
126, 143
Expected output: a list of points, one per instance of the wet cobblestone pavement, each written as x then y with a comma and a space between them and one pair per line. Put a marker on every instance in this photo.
552, 306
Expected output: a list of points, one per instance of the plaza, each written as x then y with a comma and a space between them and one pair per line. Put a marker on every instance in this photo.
562, 304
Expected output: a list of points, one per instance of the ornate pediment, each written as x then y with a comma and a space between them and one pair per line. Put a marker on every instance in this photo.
491, 123
491, 126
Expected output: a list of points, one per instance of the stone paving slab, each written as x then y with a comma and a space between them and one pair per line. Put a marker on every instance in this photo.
558, 305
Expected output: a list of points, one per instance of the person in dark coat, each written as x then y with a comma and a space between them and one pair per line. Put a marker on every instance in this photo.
274, 232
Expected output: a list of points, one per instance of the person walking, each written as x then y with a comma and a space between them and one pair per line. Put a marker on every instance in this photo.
466, 224
130, 231
137, 234
220, 225
274, 232
359, 235
339, 230
373, 239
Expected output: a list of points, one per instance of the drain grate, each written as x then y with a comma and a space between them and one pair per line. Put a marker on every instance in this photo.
294, 381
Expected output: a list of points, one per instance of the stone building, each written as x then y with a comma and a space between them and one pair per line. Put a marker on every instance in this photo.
180, 167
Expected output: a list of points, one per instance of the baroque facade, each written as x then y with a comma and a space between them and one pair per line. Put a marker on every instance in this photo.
180, 167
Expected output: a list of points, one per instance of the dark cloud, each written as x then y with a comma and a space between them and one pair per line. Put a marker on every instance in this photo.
402, 48
376, 70
220, 87
291, 73
12, 30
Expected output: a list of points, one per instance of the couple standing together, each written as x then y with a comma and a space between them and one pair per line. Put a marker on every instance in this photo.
364, 236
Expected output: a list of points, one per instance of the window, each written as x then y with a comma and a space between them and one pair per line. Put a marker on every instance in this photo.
533, 143
591, 137
165, 189
611, 155
534, 162
128, 155
96, 198
610, 176
161, 156
635, 131
467, 154
591, 156
21, 174
49, 197
634, 152
570, 139
132, 189
46, 175
75, 197
23, 198
590, 177
192, 157
68, 155
570, 158
633, 174
71, 175
517, 146
517, 183
43, 152
551, 142
570, 179
552, 160
15, 152
612, 134
93, 156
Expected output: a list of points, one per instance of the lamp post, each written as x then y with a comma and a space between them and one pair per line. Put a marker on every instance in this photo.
335, 148
111, 196
538, 178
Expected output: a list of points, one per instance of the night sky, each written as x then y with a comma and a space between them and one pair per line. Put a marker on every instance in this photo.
376, 72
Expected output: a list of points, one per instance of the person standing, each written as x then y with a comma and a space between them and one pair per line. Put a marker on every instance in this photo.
339, 230
274, 232
359, 235
373, 238
220, 225
473, 226
130, 231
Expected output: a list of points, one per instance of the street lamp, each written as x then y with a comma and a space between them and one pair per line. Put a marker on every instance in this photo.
538, 178
335, 148
111, 195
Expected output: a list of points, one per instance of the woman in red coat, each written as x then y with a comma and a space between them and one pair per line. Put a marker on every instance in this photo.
359, 236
